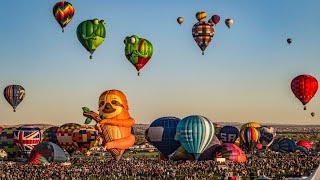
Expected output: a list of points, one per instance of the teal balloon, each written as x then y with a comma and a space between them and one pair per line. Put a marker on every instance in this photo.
195, 134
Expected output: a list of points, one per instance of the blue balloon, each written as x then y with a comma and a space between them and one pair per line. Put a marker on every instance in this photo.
228, 134
284, 145
195, 133
161, 134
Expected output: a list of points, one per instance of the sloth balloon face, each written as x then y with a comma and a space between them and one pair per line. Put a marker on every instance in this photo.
112, 103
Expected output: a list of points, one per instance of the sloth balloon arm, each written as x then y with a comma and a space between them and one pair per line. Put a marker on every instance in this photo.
93, 115
118, 122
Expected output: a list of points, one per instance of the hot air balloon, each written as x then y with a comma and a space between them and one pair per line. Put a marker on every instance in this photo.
201, 16
251, 124
161, 134
63, 12
304, 87
231, 152
207, 154
138, 51
195, 134
181, 154
50, 135
289, 40
26, 137
229, 134
229, 23
249, 138
215, 19
114, 122
91, 34
283, 145
202, 32
180, 20
267, 135
306, 144
86, 138
65, 135
14, 94
47, 152
7, 142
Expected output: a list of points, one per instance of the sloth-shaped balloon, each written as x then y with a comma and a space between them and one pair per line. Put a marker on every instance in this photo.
113, 122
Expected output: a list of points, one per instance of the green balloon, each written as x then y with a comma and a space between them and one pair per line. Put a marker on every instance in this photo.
91, 34
138, 51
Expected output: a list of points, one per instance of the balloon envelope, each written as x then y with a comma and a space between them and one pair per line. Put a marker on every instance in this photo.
267, 135
64, 136
229, 134
63, 12
283, 145
7, 142
161, 134
14, 94
249, 137
304, 87
203, 33
229, 23
180, 20
47, 152
215, 19
50, 135
26, 137
231, 152
91, 34
306, 144
251, 124
195, 134
85, 137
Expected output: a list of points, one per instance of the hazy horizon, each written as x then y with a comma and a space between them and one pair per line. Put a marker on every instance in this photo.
244, 75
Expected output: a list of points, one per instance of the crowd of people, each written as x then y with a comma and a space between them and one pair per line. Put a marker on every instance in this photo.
270, 164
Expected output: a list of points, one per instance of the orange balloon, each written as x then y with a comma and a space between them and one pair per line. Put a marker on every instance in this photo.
116, 123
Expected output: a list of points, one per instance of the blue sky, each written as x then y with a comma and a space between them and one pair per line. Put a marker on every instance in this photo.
244, 75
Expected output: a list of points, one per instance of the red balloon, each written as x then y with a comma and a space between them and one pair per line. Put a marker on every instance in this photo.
215, 19
304, 87
306, 144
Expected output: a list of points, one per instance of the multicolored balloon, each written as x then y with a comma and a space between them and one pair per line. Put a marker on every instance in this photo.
229, 22
229, 134
47, 152
26, 137
249, 138
86, 138
304, 87
161, 134
7, 142
251, 124
91, 34
50, 134
14, 94
138, 51
63, 12
267, 135
195, 134
231, 152
65, 137
180, 20
201, 16
203, 33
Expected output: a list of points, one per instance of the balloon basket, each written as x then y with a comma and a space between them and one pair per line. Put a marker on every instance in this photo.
90, 57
